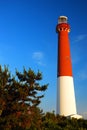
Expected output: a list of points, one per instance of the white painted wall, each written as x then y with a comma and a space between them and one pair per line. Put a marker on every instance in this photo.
66, 104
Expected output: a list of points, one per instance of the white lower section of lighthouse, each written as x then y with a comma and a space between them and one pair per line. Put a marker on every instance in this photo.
66, 96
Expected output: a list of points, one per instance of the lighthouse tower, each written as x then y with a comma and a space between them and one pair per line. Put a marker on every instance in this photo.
66, 104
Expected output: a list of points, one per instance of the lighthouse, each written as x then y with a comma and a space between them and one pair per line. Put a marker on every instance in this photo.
66, 103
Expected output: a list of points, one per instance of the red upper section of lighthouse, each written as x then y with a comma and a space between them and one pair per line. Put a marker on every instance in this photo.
64, 58
63, 27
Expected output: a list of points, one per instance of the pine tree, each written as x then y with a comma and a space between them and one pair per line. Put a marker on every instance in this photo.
19, 98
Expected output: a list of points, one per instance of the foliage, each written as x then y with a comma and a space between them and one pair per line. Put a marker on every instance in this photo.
19, 98
56, 122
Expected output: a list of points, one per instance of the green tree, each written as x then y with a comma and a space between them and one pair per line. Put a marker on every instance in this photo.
19, 99
50, 121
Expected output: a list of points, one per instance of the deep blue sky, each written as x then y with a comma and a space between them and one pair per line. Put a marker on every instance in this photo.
28, 38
